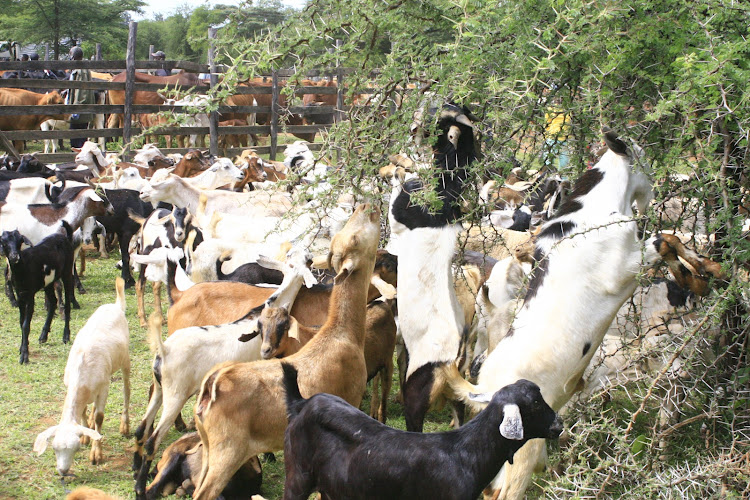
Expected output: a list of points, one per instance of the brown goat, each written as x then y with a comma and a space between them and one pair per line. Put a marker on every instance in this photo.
177, 472
241, 411
283, 336
193, 163
219, 302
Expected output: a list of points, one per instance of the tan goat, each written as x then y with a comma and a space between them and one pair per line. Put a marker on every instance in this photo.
283, 336
240, 410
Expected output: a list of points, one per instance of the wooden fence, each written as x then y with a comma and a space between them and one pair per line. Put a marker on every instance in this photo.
273, 129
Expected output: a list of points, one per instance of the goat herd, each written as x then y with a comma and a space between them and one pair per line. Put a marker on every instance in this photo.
278, 361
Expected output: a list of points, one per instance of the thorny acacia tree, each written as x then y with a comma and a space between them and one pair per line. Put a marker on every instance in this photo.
672, 76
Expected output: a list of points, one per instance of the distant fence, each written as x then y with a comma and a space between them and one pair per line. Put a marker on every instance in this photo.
129, 109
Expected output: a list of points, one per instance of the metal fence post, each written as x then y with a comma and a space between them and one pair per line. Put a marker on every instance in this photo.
129, 88
213, 118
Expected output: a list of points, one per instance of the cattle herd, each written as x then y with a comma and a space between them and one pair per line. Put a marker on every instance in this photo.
282, 309
51, 121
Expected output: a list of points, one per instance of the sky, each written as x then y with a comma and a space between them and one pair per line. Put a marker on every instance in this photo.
167, 7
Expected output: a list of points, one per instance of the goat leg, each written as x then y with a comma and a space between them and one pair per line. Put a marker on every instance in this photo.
79, 287
50, 302
9, 288
26, 310
69, 295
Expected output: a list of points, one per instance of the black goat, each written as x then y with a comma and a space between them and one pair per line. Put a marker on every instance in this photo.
334, 448
251, 273
124, 202
35, 268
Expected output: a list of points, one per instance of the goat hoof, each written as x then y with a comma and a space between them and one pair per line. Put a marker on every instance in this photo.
24, 358
43, 337
124, 428
75, 305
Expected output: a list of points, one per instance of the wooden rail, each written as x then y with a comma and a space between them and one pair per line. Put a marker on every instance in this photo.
131, 130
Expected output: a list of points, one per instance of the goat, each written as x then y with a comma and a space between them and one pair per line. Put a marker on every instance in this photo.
86, 493
39, 220
251, 394
124, 202
177, 472
192, 163
36, 268
337, 450
588, 251
100, 350
213, 303
161, 229
283, 336
430, 319
251, 273
90, 156
188, 354
179, 192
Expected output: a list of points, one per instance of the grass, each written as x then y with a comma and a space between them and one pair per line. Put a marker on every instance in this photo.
31, 398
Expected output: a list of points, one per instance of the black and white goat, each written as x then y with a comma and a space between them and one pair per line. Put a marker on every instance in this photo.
334, 448
430, 318
588, 259
35, 268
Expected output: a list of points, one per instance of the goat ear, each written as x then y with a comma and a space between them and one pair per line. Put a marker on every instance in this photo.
27, 241
309, 278
512, 426
40, 444
293, 328
91, 433
386, 289
482, 398
346, 269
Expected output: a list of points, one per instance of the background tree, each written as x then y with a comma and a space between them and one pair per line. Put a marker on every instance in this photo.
59, 22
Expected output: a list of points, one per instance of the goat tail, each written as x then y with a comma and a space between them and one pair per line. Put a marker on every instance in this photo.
154, 334
458, 387
294, 399
120, 291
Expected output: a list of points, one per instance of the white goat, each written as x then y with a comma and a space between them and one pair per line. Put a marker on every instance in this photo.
100, 349
180, 192
91, 157
588, 258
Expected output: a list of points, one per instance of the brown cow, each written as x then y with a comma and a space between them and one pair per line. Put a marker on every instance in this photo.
146, 96
265, 100
20, 97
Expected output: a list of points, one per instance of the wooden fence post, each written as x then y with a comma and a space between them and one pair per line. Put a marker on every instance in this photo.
274, 113
129, 87
98, 52
46, 52
150, 52
213, 118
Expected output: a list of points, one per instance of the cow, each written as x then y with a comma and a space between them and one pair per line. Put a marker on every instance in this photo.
20, 97
117, 97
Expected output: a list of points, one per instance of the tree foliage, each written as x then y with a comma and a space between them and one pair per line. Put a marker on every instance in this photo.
61, 22
670, 75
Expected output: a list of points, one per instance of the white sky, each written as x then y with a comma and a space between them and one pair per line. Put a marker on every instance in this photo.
167, 7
